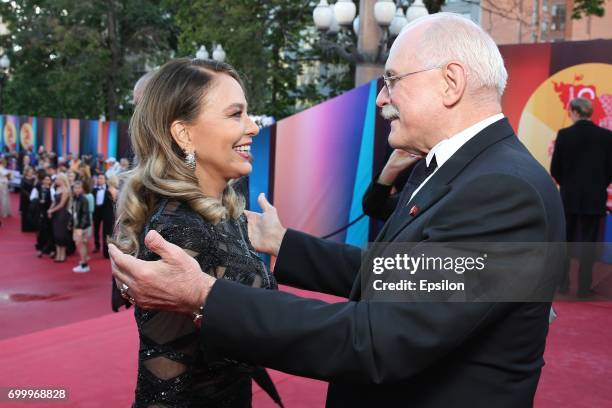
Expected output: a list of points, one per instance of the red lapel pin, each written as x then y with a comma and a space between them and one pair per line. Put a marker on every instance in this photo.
414, 211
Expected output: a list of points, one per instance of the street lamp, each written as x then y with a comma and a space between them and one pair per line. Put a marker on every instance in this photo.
369, 34
417, 10
202, 53
345, 12
218, 53
5, 64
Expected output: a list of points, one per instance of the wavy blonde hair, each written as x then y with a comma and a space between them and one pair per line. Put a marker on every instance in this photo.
174, 93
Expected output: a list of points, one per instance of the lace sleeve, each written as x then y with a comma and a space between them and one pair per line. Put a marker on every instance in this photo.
180, 225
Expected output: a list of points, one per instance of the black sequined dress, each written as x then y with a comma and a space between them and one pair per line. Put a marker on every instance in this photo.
173, 370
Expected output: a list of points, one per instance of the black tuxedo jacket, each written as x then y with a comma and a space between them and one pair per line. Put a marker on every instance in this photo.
391, 354
582, 165
104, 211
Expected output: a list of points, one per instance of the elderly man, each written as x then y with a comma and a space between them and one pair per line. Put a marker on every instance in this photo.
443, 83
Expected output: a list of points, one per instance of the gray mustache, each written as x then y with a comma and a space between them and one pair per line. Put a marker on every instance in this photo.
390, 112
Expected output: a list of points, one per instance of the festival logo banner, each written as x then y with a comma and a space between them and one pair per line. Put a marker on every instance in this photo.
547, 110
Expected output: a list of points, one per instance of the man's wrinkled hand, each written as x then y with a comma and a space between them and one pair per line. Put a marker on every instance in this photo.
174, 283
265, 230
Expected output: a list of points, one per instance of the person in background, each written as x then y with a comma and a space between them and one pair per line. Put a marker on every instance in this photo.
25, 189
60, 217
81, 223
72, 177
124, 165
26, 162
53, 160
44, 239
90, 200
113, 167
33, 157
5, 203
100, 165
103, 214
582, 165
84, 173
52, 172
113, 187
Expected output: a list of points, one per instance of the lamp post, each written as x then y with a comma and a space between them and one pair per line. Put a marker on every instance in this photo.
5, 64
370, 33
218, 53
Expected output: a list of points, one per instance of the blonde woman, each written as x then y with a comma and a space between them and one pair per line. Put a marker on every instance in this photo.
60, 217
191, 135
5, 202
113, 187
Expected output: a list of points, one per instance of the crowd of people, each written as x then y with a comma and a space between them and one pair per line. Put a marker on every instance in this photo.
64, 200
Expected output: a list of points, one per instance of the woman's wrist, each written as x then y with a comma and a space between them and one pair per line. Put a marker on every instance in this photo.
388, 175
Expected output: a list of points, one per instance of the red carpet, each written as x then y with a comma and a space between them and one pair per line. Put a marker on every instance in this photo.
59, 332
36, 294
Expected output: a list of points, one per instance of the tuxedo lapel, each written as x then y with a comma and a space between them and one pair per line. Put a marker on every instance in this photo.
424, 199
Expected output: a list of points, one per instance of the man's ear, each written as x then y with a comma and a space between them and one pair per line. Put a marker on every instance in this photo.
181, 135
455, 77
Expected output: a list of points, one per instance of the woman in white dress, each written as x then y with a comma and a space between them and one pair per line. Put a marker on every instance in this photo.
5, 203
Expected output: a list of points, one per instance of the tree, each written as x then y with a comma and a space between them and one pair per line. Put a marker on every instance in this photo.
80, 59
584, 8
270, 42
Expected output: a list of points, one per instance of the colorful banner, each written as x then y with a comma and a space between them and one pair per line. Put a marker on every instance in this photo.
316, 164
65, 136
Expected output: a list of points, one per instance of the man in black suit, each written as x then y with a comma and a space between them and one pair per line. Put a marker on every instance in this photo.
582, 165
103, 214
443, 84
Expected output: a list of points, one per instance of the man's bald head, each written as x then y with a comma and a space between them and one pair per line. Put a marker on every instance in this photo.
140, 86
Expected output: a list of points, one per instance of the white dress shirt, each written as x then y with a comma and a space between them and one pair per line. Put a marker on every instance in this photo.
100, 195
445, 149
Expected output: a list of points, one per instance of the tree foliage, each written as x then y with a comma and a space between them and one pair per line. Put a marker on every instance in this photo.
583, 8
270, 42
80, 58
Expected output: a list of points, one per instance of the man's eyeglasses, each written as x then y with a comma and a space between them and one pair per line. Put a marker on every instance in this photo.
391, 80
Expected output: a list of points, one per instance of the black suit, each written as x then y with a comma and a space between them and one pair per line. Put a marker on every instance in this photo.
103, 214
390, 354
582, 165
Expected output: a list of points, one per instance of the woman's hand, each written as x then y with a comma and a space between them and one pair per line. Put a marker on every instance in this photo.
399, 161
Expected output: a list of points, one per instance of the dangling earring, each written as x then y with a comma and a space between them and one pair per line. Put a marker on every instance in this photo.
190, 160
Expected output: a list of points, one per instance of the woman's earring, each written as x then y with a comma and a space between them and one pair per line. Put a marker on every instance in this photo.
190, 160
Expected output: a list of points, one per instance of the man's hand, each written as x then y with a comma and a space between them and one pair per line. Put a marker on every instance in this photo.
265, 230
399, 161
174, 283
